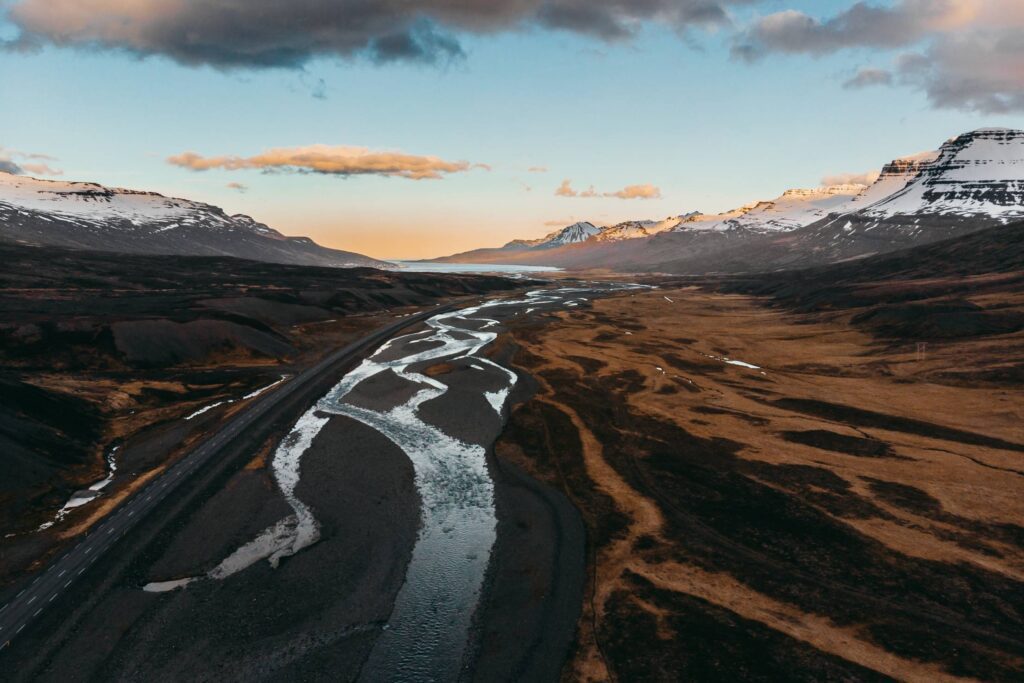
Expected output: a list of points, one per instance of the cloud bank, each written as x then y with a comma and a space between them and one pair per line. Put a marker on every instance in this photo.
271, 33
963, 54
646, 191
329, 160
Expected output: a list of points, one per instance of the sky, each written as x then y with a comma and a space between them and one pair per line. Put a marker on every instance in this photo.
405, 133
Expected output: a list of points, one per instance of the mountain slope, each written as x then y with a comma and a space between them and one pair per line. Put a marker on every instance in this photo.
967, 286
793, 209
976, 174
974, 181
91, 216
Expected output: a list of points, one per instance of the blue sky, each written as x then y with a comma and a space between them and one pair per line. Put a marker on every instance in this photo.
710, 131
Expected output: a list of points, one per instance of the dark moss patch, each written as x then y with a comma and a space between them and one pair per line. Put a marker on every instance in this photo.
696, 367
592, 365
868, 418
708, 643
780, 530
715, 410
841, 443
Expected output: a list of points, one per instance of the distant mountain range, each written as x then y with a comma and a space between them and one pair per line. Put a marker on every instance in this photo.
973, 181
94, 217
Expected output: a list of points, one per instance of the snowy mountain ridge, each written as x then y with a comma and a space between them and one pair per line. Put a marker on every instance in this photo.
82, 215
973, 181
976, 176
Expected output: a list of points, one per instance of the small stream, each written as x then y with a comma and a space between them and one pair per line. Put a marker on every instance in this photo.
86, 495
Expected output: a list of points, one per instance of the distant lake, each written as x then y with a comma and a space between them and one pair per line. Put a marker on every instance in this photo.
423, 267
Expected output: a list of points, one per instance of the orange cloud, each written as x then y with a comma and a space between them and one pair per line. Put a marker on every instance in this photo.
850, 179
330, 160
636, 192
629, 192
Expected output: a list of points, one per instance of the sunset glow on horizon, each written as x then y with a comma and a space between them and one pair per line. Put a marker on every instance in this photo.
474, 125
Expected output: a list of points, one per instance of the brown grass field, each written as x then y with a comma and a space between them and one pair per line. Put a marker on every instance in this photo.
851, 509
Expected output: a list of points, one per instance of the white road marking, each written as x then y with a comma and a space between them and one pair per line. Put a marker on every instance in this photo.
31, 600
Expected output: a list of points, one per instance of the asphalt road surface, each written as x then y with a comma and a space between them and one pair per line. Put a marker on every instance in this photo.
60, 575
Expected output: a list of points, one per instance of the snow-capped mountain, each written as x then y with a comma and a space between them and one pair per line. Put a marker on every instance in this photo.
974, 181
894, 177
627, 230
793, 209
585, 231
91, 216
572, 234
976, 174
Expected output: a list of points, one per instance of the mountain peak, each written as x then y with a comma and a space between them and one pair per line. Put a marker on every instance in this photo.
92, 216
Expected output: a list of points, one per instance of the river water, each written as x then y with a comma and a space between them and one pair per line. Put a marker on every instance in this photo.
428, 632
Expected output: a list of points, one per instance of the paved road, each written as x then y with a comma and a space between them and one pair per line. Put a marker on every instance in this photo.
60, 575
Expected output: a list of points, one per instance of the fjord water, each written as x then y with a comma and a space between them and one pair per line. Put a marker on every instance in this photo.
502, 268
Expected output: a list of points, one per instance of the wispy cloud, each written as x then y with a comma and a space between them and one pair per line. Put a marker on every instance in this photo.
270, 33
330, 160
963, 54
537, 169
868, 77
237, 187
636, 192
646, 191
30, 162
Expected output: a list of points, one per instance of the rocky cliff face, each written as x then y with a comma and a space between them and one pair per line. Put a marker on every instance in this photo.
974, 181
894, 177
91, 216
977, 174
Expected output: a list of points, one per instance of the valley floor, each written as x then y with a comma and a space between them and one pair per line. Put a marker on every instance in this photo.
769, 496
